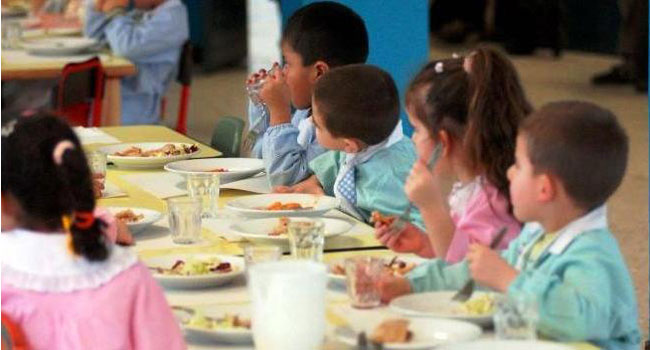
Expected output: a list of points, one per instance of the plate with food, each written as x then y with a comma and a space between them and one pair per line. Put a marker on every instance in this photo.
495, 344
283, 204
229, 169
402, 333
479, 309
196, 270
136, 219
148, 155
397, 265
230, 324
58, 46
274, 230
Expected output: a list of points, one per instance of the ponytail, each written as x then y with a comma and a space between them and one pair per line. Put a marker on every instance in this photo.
496, 107
86, 230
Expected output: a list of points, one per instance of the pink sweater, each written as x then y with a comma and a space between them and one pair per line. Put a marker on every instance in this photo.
478, 211
117, 305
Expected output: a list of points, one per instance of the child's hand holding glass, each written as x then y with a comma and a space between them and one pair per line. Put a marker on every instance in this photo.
275, 95
391, 286
489, 269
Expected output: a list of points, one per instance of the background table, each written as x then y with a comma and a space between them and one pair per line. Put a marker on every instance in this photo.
18, 64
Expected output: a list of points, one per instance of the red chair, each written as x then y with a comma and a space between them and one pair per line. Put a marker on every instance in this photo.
80, 92
184, 77
12, 336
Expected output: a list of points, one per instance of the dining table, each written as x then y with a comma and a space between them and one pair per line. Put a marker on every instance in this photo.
18, 64
155, 241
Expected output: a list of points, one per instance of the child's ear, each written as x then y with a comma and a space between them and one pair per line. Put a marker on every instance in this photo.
547, 188
445, 141
320, 68
352, 145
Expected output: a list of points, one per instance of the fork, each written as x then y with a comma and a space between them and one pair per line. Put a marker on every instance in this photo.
399, 224
468, 289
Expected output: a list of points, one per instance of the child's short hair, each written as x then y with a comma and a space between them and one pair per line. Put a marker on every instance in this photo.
580, 143
358, 101
327, 31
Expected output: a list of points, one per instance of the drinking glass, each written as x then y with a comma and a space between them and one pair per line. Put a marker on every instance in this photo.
184, 219
254, 88
516, 317
362, 276
288, 304
206, 188
306, 238
97, 165
255, 254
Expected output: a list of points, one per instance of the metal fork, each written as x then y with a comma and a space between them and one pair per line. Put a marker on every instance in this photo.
399, 224
468, 289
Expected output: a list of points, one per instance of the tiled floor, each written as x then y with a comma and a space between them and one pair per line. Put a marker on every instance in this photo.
545, 79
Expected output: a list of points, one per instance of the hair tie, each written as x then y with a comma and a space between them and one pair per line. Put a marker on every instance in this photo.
59, 150
467, 64
439, 68
84, 219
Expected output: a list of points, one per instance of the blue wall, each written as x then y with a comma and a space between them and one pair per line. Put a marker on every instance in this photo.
399, 35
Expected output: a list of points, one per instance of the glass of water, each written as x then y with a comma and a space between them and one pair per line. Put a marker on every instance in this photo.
184, 219
97, 164
255, 254
206, 188
306, 238
362, 276
255, 87
516, 317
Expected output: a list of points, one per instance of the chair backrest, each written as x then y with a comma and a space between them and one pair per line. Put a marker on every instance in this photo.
227, 136
184, 78
80, 92
12, 336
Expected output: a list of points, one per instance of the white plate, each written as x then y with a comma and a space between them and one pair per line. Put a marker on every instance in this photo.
427, 332
143, 162
150, 216
197, 281
491, 344
341, 278
219, 335
251, 206
257, 230
238, 168
438, 304
58, 46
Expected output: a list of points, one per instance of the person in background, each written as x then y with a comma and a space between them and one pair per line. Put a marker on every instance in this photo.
63, 283
317, 38
151, 34
570, 158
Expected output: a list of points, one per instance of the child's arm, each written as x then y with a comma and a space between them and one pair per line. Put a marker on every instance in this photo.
311, 185
142, 40
423, 190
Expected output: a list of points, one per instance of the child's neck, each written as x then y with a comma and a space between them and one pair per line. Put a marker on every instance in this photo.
560, 215
464, 174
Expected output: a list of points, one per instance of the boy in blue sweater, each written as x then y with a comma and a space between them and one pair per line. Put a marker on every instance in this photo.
570, 158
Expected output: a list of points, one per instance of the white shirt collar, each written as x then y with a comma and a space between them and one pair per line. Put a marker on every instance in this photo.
594, 219
41, 262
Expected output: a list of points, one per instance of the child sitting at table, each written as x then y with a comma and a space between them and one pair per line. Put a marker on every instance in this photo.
151, 36
471, 108
63, 284
570, 158
356, 115
318, 37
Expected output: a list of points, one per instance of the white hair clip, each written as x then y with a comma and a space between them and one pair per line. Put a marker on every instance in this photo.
8, 129
439, 68
455, 55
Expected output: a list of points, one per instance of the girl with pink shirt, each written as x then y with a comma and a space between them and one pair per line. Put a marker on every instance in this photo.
471, 107
63, 282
